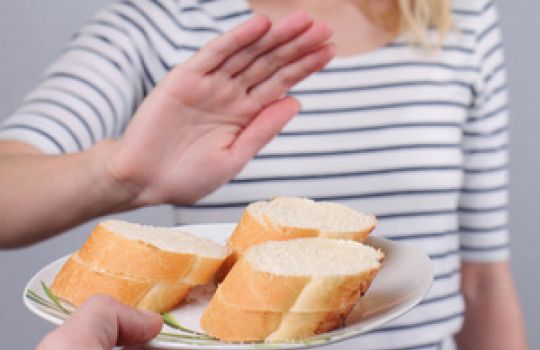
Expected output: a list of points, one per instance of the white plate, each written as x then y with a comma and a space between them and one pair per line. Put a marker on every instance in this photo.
402, 283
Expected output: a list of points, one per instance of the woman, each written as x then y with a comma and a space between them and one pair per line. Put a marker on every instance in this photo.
409, 121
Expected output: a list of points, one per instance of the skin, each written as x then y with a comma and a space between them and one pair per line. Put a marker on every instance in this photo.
242, 109
344, 19
101, 323
493, 319
193, 133
196, 130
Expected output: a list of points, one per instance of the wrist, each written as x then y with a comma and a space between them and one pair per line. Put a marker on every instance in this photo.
119, 187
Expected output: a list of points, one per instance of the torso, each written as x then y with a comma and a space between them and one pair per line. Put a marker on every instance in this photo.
380, 130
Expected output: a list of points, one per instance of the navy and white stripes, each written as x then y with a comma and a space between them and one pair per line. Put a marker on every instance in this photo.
417, 137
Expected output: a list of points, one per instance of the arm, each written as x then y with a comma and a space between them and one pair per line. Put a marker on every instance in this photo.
493, 317
195, 131
44, 194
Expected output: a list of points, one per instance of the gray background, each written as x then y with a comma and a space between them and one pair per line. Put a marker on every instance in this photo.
33, 32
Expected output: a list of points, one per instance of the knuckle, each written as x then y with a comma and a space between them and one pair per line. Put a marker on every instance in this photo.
215, 47
100, 301
281, 55
270, 61
234, 40
266, 61
102, 307
289, 77
217, 50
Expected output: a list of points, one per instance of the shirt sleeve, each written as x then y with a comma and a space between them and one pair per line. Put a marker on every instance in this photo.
90, 92
483, 211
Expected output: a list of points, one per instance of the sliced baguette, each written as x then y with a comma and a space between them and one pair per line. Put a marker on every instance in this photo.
280, 292
295, 288
77, 281
249, 325
285, 218
147, 267
152, 253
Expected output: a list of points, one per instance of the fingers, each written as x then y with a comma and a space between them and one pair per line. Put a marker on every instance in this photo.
102, 323
263, 128
292, 26
136, 326
220, 49
288, 76
269, 63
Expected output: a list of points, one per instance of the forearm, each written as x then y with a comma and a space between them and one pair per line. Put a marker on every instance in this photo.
493, 317
194, 132
42, 195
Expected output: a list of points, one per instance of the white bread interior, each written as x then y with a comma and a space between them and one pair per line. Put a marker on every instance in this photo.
284, 290
169, 239
313, 257
143, 266
326, 217
284, 218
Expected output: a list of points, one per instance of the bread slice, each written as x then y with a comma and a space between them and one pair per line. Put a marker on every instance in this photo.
295, 289
77, 281
143, 266
249, 325
152, 253
285, 218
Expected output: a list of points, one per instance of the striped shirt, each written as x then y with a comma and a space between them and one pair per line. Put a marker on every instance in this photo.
418, 138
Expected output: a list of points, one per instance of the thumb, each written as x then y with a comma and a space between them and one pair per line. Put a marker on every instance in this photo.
264, 127
102, 323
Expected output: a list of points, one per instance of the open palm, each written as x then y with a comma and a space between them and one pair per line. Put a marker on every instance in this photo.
210, 115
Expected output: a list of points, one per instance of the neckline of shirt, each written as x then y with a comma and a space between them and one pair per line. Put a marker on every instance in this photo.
340, 61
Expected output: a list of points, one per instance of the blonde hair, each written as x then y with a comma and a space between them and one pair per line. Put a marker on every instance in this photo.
415, 17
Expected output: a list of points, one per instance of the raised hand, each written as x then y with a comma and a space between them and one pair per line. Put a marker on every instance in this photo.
195, 131
213, 113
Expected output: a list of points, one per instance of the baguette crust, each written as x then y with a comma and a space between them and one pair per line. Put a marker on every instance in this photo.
333, 292
134, 258
132, 271
143, 294
296, 325
163, 297
226, 266
272, 307
250, 325
75, 272
262, 291
252, 230
234, 324
202, 270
